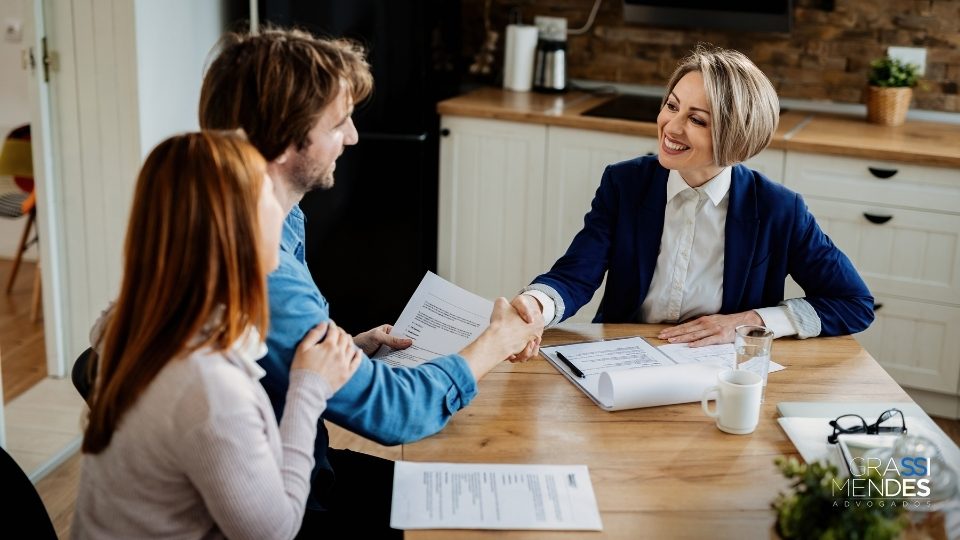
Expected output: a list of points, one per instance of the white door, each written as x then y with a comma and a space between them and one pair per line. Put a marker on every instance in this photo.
32, 47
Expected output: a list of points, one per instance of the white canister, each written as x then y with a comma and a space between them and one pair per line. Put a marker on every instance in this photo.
520, 48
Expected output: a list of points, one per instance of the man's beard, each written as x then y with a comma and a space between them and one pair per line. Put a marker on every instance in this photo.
305, 178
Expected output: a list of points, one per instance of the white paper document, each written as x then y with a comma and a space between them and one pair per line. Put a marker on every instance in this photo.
440, 318
493, 496
809, 436
629, 373
724, 355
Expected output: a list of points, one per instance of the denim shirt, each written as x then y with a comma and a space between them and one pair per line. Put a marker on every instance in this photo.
382, 403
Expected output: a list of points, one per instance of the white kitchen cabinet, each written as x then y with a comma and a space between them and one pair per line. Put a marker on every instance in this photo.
900, 225
576, 159
912, 254
935, 189
916, 342
769, 162
491, 204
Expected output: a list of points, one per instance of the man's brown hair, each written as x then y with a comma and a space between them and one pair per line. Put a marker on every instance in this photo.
276, 84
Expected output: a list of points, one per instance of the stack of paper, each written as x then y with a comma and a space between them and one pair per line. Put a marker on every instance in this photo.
630, 373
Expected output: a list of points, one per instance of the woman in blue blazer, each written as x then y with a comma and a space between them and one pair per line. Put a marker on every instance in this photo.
691, 236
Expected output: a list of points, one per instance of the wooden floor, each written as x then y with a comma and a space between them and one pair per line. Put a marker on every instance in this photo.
22, 352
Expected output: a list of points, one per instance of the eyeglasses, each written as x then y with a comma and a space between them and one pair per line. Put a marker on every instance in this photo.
854, 423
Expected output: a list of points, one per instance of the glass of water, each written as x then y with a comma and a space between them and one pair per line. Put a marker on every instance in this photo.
753, 344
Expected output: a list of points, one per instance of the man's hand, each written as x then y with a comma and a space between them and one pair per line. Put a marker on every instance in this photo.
531, 312
709, 329
371, 340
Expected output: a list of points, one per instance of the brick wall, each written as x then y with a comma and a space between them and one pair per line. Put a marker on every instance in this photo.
824, 57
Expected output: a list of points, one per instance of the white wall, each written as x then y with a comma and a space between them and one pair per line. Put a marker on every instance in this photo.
174, 38
14, 111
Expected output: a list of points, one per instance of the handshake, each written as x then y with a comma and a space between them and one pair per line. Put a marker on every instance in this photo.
530, 312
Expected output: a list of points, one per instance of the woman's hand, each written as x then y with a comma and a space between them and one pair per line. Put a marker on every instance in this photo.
329, 351
709, 329
371, 340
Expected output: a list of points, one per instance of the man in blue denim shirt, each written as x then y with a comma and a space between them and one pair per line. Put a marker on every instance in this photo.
293, 95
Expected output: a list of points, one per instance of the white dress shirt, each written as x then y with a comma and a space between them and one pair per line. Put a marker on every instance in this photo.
688, 279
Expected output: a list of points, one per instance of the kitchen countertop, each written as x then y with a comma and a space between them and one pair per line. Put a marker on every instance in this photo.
923, 143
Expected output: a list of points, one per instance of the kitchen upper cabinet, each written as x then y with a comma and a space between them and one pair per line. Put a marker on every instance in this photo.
491, 204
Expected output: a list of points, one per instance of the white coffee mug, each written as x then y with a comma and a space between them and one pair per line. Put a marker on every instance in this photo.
738, 401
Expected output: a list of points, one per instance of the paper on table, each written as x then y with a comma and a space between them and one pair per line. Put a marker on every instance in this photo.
665, 385
809, 436
489, 496
629, 373
723, 355
440, 318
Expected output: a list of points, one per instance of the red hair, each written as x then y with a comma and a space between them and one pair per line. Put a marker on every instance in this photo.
192, 273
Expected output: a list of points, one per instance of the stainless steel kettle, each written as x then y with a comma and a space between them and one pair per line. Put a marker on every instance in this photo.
550, 66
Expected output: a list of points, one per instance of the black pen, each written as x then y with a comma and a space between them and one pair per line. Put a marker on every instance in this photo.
576, 371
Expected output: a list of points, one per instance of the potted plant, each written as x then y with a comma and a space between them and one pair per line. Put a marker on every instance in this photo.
809, 510
890, 90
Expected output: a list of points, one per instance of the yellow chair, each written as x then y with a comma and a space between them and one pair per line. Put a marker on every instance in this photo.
16, 160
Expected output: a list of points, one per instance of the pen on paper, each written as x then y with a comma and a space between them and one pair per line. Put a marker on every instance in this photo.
576, 371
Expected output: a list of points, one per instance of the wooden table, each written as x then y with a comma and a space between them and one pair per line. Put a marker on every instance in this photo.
662, 472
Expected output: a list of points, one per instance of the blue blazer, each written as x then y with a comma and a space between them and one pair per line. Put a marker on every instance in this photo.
770, 234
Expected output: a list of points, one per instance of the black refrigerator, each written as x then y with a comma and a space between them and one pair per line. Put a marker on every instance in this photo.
371, 238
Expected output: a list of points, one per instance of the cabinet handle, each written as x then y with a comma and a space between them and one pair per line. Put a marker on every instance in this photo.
650, 154
879, 220
877, 306
445, 132
882, 173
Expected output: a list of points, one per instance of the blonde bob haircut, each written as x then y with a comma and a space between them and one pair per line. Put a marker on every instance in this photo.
745, 110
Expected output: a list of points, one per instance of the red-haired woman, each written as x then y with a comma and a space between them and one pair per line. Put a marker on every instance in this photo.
182, 441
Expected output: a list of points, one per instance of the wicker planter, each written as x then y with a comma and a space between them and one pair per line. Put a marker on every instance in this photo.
888, 106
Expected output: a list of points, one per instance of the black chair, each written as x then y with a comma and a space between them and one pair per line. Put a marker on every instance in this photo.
84, 374
22, 509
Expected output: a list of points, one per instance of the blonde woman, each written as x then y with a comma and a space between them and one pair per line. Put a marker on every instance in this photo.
182, 441
694, 238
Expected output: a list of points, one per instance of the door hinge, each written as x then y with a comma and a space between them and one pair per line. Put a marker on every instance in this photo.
45, 60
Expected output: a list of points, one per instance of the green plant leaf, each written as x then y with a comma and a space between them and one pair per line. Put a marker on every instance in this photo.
807, 510
890, 72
